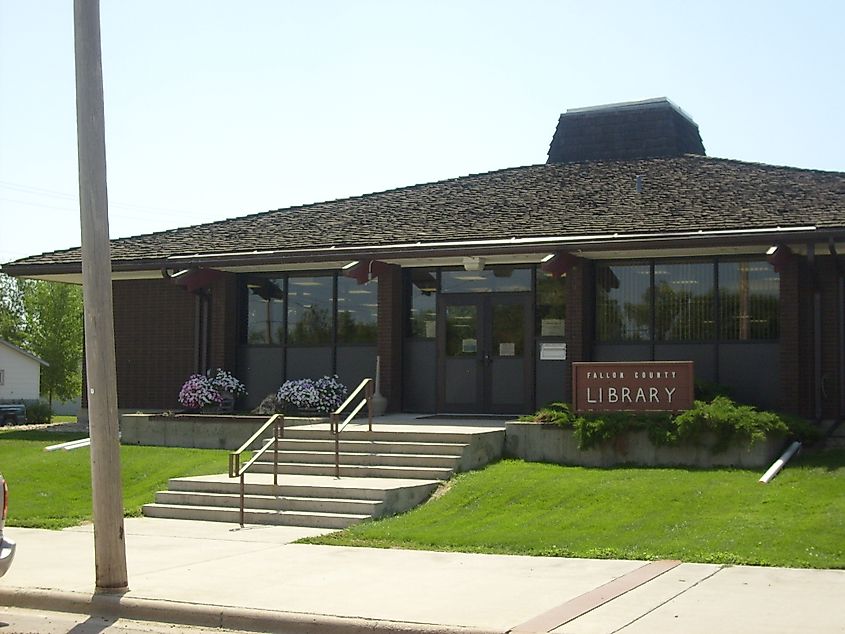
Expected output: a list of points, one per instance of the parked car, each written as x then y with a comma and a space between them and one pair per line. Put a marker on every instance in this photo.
12, 414
7, 546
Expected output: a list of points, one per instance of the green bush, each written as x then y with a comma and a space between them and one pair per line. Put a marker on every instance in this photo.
729, 422
38, 412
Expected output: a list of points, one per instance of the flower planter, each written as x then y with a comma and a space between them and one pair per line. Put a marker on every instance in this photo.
539, 442
200, 431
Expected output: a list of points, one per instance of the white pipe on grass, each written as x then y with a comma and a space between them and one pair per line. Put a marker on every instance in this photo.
780, 462
85, 442
73, 444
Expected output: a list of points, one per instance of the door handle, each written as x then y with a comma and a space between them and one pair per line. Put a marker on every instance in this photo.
487, 358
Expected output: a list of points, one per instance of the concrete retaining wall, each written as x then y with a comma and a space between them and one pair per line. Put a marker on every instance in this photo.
200, 431
549, 443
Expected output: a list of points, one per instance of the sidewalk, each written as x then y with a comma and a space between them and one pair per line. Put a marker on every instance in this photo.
213, 574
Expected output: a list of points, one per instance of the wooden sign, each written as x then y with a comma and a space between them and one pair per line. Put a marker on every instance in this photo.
632, 386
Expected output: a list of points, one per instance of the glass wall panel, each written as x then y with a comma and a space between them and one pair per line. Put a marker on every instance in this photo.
684, 301
749, 295
265, 310
461, 330
508, 330
423, 303
623, 302
310, 308
493, 279
551, 305
357, 310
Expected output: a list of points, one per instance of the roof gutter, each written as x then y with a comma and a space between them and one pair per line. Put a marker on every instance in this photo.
592, 242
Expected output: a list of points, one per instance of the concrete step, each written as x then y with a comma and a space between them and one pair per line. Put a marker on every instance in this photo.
372, 446
358, 471
372, 459
409, 435
260, 484
271, 502
253, 516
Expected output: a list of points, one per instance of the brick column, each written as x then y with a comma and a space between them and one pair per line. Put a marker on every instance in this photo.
579, 318
829, 282
154, 342
223, 333
389, 346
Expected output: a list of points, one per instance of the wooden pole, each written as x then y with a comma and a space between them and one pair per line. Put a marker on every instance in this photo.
109, 544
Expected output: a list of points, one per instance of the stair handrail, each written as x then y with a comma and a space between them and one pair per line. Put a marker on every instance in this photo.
335, 426
236, 470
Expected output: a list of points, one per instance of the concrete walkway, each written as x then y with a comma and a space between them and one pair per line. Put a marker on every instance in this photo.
214, 574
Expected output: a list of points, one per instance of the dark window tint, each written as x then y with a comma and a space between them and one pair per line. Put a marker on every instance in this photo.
623, 302
357, 311
684, 301
551, 305
461, 331
310, 310
749, 295
265, 310
494, 279
423, 303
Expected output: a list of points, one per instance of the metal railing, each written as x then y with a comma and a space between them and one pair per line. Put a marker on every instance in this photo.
237, 470
335, 426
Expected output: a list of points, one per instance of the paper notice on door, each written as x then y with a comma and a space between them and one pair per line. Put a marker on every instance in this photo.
552, 328
552, 352
469, 346
431, 329
507, 349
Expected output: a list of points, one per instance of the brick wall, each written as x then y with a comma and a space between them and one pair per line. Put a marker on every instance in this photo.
223, 326
797, 354
390, 336
828, 283
579, 318
154, 342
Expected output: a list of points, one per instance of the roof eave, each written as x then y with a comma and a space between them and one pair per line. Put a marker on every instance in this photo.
540, 244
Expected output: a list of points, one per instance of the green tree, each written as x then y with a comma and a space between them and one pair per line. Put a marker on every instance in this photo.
54, 333
12, 310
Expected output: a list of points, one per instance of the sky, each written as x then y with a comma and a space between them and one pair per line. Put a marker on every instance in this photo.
218, 109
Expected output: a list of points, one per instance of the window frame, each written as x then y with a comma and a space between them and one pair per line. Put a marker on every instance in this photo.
651, 340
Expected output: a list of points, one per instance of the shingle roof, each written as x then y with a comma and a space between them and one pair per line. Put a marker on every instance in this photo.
26, 353
690, 192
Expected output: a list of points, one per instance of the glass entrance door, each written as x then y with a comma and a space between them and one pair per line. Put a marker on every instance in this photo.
485, 356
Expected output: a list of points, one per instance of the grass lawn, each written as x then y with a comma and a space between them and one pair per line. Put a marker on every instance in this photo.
62, 419
718, 516
53, 489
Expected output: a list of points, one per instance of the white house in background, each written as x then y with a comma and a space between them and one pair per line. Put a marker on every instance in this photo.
20, 373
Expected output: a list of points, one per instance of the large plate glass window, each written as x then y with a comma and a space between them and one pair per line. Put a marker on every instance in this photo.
357, 310
684, 301
623, 302
551, 305
310, 309
749, 294
422, 313
493, 279
265, 310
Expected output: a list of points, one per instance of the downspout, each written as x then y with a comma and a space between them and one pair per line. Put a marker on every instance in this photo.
840, 302
817, 332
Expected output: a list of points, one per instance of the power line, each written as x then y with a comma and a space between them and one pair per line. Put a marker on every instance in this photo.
39, 191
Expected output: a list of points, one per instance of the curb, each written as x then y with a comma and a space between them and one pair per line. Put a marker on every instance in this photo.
213, 616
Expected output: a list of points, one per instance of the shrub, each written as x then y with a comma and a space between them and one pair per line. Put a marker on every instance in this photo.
324, 395
38, 412
730, 423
